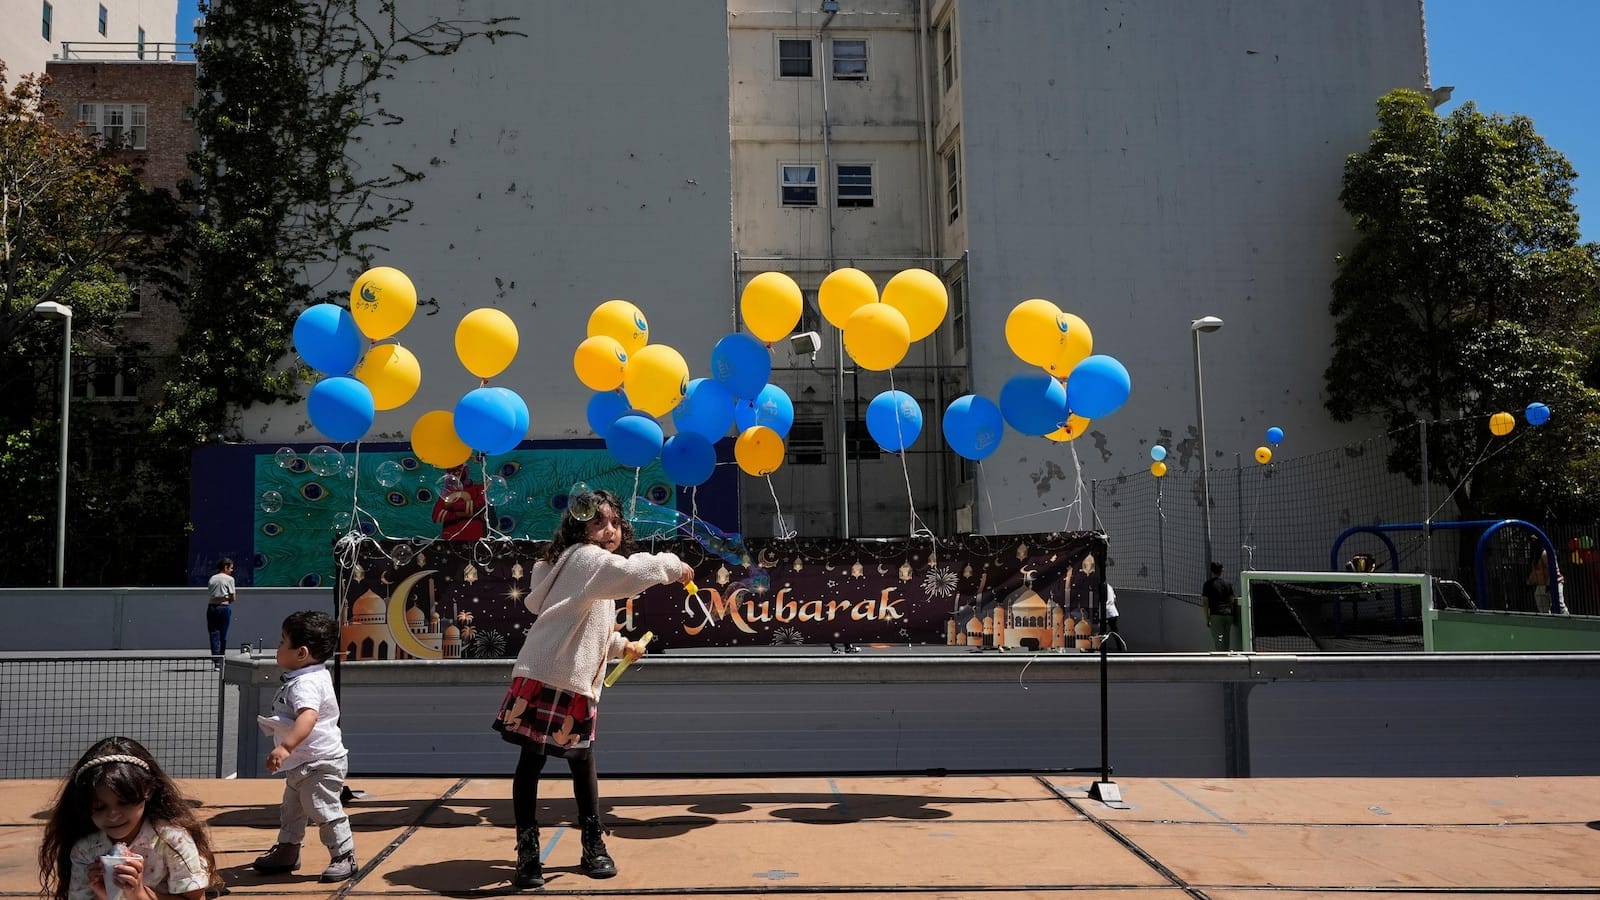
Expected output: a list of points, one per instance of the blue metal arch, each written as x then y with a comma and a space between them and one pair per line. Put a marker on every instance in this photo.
1480, 578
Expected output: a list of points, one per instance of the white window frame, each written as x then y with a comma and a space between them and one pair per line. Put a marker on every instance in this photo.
123, 126
811, 56
952, 182
852, 61
957, 290
947, 53
124, 388
845, 197
784, 185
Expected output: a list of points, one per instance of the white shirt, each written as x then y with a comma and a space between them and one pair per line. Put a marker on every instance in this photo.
310, 688
1111, 601
220, 587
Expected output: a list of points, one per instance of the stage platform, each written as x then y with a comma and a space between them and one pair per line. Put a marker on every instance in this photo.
1001, 836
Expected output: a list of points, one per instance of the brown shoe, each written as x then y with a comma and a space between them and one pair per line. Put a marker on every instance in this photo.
280, 859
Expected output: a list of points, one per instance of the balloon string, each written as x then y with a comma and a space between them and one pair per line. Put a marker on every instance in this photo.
780, 528
983, 477
912, 519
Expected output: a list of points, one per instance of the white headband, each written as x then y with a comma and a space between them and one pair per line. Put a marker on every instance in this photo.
115, 757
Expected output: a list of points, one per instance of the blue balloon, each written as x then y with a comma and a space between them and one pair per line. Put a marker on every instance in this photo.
1034, 403
772, 408
341, 408
520, 407
327, 338
688, 458
486, 420
741, 364
706, 410
604, 408
1158, 453
894, 419
1274, 435
973, 426
1097, 387
1537, 414
634, 439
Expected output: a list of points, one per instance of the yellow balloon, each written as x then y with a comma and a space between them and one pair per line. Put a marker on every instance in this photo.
656, 379
1035, 331
392, 373
435, 442
877, 337
486, 341
843, 292
1263, 455
382, 301
1501, 423
771, 305
1075, 347
623, 322
1074, 429
921, 297
600, 362
758, 450
1158, 469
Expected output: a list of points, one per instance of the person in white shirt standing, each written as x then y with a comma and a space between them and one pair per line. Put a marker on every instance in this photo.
220, 594
309, 750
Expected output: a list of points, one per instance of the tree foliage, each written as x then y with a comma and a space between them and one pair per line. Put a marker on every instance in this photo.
286, 217
1468, 292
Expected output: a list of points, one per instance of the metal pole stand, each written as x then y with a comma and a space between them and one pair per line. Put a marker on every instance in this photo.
1105, 790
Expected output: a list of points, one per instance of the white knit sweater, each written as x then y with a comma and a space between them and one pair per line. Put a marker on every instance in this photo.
575, 602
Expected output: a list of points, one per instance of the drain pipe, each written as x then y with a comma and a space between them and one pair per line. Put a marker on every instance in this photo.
831, 9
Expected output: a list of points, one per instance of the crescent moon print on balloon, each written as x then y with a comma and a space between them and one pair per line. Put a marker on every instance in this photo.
403, 638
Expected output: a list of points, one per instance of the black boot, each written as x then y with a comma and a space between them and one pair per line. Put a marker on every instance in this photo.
596, 861
530, 874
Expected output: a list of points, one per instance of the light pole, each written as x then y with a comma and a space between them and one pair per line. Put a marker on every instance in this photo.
1206, 324
53, 310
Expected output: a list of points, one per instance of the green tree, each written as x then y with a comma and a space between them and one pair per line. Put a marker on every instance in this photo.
1466, 293
72, 231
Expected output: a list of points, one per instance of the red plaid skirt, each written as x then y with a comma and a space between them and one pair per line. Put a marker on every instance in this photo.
557, 722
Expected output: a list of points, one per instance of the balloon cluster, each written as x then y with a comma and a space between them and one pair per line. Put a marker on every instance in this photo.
1502, 423
1274, 438
1158, 468
1072, 388
636, 383
356, 385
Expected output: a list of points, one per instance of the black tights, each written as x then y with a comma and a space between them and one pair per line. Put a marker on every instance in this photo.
525, 788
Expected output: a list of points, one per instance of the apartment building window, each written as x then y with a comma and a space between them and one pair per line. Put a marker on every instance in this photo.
119, 125
853, 185
108, 378
794, 57
807, 443
858, 442
947, 54
958, 310
44, 27
141, 42
102, 20
799, 185
849, 60
952, 182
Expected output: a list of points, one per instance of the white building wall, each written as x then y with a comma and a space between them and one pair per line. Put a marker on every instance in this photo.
585, 161
25, 49
1147, 164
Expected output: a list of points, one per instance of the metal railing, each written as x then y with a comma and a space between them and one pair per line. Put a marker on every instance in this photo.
127, 51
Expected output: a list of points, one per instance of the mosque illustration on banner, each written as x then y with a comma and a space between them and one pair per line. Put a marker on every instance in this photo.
365, 631
1023, 621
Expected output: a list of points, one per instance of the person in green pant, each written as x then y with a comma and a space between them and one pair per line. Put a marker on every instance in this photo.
1221, 609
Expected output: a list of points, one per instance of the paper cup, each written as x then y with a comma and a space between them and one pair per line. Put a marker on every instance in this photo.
109, 863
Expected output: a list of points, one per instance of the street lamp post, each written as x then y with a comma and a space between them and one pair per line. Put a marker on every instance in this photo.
53, 310
1206, 324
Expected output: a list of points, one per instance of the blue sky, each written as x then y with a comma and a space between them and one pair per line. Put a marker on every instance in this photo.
1536, 58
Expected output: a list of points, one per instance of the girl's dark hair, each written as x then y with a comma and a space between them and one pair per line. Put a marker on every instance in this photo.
576, 531
131, 782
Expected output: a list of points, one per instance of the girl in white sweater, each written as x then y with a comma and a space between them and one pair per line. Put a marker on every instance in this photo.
551, 706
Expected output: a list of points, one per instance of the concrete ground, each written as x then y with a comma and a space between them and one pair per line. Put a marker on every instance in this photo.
1005, 837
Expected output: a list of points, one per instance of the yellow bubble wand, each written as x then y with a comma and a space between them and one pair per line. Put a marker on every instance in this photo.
619, 668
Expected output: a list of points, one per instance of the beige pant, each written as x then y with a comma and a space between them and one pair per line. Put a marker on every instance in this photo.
311, 793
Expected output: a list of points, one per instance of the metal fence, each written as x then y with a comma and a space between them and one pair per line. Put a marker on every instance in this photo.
52, 708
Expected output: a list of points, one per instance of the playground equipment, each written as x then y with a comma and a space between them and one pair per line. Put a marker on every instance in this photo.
1480, 578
